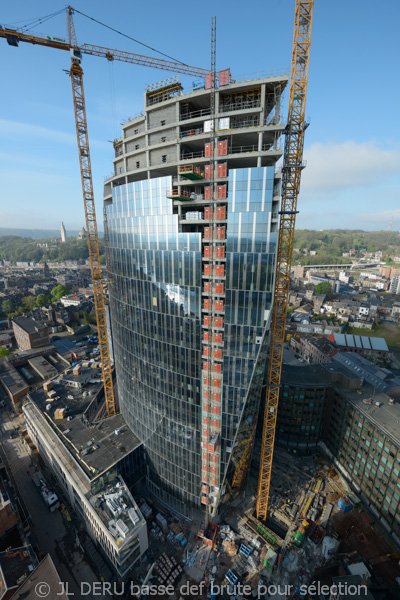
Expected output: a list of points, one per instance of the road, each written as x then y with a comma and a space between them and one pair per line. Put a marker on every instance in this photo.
53, 533
290, 359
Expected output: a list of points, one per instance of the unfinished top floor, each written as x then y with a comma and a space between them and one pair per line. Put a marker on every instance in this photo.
175, 127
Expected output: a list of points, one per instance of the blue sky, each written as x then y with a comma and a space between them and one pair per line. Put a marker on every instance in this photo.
352, 146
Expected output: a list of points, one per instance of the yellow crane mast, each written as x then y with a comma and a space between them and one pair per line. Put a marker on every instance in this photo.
13, 37
291, 173
76, 74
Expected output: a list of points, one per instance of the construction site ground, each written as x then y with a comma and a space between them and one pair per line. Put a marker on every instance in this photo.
295, 479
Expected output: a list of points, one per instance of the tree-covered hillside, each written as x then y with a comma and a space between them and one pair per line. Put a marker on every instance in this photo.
18, 249
330, 245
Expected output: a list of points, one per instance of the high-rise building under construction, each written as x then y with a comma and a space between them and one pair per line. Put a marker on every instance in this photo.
191, 226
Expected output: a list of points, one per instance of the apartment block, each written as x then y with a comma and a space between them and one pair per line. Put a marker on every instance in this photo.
30, 334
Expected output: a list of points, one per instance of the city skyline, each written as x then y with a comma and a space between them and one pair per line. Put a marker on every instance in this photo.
352, 173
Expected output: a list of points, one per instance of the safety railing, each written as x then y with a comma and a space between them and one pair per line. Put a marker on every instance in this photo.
190, 132
192, 155
195, 114
243, 105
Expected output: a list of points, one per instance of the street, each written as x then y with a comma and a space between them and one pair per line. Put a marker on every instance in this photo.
290, 359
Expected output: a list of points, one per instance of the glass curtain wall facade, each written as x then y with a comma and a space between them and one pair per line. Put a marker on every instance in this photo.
156, 310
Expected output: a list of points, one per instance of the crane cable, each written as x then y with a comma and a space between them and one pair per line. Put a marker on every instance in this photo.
129, 37
38, 21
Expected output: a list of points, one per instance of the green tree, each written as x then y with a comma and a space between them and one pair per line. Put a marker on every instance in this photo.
29, 302
89, 317
42, 300
324, 288
7, 307
4, 351
59, 291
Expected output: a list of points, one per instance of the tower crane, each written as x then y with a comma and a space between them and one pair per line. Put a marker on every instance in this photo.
291, 172
13, 38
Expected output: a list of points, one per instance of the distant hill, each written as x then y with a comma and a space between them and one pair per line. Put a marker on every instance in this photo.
40, 234
312, 247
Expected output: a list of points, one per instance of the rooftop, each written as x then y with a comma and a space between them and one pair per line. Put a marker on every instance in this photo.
43, 367
96, 447
303, 375
360, 341
99, 447
29, 325
65, 345
118, 510
11, 379
375, 406
383, 379
45, 572
15, 566
108, 496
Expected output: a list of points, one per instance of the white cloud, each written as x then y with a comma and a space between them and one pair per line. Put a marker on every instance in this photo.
333, 168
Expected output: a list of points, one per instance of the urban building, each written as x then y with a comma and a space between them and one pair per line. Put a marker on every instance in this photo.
82, 235
95, 462
355, 422
372, 347
63, 233
299, 271
6, 339
380, 378
362, 437
71, 300
191, 250
12, 382
30, 334
395, 284
346, 277
45, 573
313, 349
302, 406
16, 565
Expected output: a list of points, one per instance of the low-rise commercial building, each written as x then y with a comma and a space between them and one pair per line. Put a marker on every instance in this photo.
91, 462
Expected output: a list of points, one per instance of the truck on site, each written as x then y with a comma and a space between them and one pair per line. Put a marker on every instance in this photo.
49, 497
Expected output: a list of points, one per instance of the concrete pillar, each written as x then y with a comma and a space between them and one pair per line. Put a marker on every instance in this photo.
278, 94
263, 115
